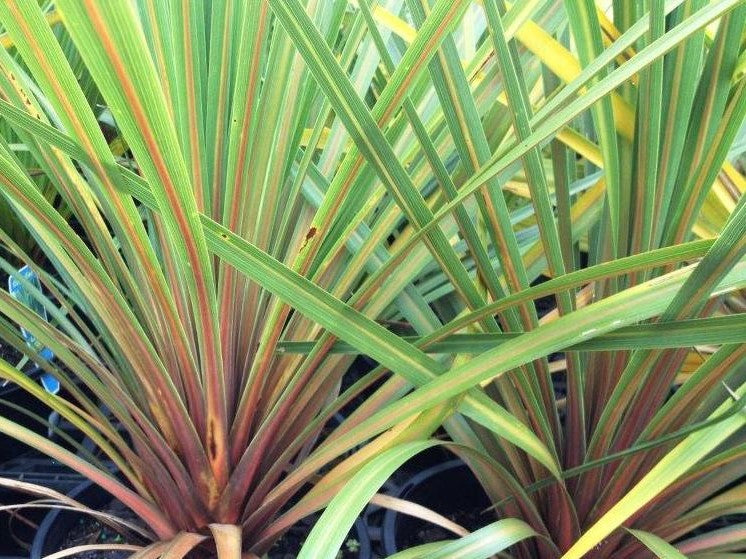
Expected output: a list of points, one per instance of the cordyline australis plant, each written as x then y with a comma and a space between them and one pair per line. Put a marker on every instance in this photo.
260, 187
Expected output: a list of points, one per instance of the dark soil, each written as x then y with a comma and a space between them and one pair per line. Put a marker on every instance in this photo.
89, 531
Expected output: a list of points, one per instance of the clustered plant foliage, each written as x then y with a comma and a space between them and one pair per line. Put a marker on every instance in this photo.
230, 199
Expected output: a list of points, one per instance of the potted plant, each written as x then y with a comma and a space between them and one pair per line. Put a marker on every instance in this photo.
153, 324
638, 461
263, 188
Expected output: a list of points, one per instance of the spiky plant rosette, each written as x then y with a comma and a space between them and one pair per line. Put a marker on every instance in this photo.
263, 189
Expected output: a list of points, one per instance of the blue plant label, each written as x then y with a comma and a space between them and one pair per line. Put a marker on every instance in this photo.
22, 295
49, 382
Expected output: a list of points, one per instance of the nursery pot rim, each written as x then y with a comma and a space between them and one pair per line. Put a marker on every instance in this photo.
391, 517
49, 524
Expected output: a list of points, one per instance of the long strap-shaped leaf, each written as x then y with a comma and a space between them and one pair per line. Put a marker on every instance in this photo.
633, 305
727, 250
563, 114
684, 456
587, 34
58, 82
330, 530
467, 130
650, 107
368, 336
366, 134
221, 240
480, 544
112, 43
729, 329
148, 512
657, 545
628, 307
521, 112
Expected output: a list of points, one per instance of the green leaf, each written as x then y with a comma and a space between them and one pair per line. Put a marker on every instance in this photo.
673, 465
330, 530
729, 329
480, 544
660, 547
349, 325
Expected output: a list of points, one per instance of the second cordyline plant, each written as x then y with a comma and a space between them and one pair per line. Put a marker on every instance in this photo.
260, 188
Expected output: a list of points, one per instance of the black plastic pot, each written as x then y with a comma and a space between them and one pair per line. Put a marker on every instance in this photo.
38, 469
57, 523
360, 530
448, 488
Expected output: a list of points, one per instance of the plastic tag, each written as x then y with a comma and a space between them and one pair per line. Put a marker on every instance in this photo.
21, 294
